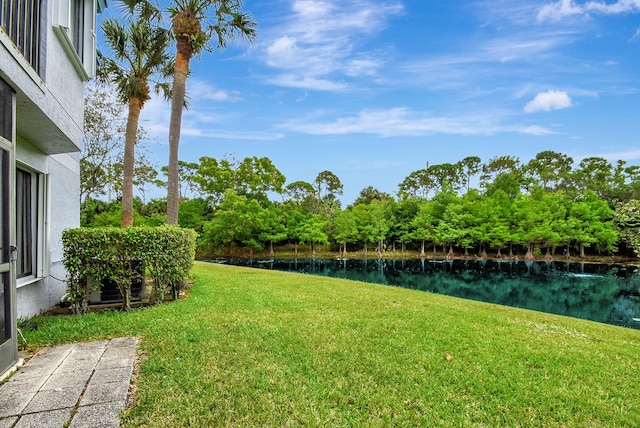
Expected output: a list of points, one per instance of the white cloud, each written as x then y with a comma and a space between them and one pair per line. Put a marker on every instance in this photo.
547, 101
620, 6
537, 130
628, 155
559, 10
229, 134
401, 121
495, 60
524, 45
306, 82
221, 95
201, 90
635, 35
282, 52
311, 8
320, 39
195, 123
565, 8
322, 21
362, 67
392, 122
197, 130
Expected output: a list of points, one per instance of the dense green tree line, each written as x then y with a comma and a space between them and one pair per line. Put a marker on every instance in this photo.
500, 208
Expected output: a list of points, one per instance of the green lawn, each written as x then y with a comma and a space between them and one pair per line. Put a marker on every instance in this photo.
262, 348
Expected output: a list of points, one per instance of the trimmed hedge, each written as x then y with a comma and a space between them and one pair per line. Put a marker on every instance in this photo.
94, 254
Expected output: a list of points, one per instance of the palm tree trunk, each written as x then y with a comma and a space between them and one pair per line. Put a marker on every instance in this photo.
177, 103
135, 106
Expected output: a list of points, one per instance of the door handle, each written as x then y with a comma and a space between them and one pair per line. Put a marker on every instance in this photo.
14, 253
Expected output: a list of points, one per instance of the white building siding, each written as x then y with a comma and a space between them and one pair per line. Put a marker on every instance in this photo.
61, 210
63, 82
49, 132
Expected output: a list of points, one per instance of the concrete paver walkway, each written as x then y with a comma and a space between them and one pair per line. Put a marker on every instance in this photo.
76, 385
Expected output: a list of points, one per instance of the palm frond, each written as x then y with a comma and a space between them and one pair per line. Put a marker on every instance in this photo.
138, 53
145, 9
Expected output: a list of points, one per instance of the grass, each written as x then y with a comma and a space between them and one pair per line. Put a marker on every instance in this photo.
263, 348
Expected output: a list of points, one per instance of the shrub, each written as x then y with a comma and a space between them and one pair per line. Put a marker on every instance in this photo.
94, 254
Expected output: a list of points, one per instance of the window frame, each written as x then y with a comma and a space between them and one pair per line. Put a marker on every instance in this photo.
77, 34
36, 230
32, 59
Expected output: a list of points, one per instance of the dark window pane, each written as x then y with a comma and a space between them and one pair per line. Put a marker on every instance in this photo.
4, 207
6, 111
25, 211
20, 20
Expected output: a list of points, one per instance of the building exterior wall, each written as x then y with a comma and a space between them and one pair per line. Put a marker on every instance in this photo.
49, 131
61, 211
50, 107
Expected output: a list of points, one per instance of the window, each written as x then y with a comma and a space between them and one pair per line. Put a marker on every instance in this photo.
5, 277
75, 25
26, 213
77, 29
6, 111
29, 223
22, 20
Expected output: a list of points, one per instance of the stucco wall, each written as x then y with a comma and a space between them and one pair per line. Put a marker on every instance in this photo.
49, 107
49, 119
62, 211
64, 198
64, 84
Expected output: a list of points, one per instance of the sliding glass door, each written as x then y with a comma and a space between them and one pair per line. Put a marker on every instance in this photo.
8, 331
8, 345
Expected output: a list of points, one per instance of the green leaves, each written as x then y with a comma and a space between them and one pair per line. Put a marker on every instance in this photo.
627, 221
93, 254
223, 21
253, 177
138, 53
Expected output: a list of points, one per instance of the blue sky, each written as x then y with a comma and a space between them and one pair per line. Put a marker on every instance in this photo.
373, 90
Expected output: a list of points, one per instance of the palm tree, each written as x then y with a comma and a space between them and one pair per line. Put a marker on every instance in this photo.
139, 53
187, 18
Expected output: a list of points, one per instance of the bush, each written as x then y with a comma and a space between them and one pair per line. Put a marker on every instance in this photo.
94, 254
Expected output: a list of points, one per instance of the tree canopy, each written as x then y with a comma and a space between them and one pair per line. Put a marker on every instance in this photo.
500, 209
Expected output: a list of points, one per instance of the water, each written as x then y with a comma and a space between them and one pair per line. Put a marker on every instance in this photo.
604, 293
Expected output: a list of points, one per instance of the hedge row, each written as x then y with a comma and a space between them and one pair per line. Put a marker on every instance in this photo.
94, 254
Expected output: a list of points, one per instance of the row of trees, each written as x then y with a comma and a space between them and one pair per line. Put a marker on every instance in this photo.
511, 211
472, 223
549, 170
